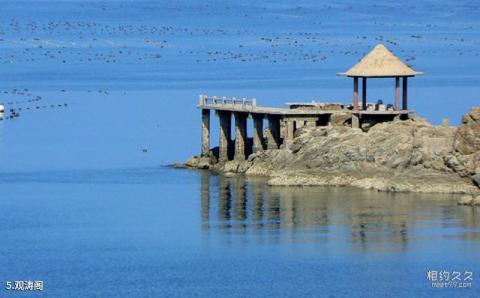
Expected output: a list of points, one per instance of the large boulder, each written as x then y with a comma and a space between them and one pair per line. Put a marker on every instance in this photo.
467, 138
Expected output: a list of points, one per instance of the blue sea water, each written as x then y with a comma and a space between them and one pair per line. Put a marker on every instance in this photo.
84, 208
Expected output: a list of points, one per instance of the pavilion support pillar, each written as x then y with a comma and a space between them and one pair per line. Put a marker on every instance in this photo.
364, 93
225, 134
257, 133
240, 135
397, 93
355, 93
405, 94
273, 132
205, 132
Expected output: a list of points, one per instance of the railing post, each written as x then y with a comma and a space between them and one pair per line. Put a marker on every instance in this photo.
254, 103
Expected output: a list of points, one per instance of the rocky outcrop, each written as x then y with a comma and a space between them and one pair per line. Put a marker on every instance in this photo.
467, 138
409, 155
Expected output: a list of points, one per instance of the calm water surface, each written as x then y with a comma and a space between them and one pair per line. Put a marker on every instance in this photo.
162, 232
86, 209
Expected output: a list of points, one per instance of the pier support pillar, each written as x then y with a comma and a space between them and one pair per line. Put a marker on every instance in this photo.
240, 135
257, 133
205, 132
355, 121
290, 131
273, 132
225, 134
405, 94
299, 123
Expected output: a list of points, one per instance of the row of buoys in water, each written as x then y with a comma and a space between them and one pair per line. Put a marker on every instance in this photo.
14, 113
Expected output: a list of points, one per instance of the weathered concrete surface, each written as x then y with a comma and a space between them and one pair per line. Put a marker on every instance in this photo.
410, 155
225, 134
205, 132
273, 132
240, 135
257, 133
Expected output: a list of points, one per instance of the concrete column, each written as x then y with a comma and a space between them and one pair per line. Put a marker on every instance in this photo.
273, 132
355, 93
240, 135
290, 130
355, 121
397, 93
299, 123
257, 133
311, 123
225, 131
205, 132
405, 94
364, 93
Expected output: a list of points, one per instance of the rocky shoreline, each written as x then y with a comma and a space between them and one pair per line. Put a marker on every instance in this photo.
400, 156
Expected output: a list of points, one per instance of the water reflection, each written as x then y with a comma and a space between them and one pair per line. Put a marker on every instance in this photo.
247, 209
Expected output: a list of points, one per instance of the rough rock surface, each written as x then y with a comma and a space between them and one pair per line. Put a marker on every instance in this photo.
410, 155
467, 138
469, 200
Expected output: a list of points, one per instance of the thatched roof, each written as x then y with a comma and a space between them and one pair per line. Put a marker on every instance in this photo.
380, 62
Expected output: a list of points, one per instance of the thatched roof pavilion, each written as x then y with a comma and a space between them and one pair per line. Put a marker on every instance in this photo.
380, 63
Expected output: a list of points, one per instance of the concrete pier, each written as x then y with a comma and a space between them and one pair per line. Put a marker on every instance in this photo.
225, 134
205, 132
273, 132
240, 135
282, 123
290, 129
299, 123
257, 133
355, 121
